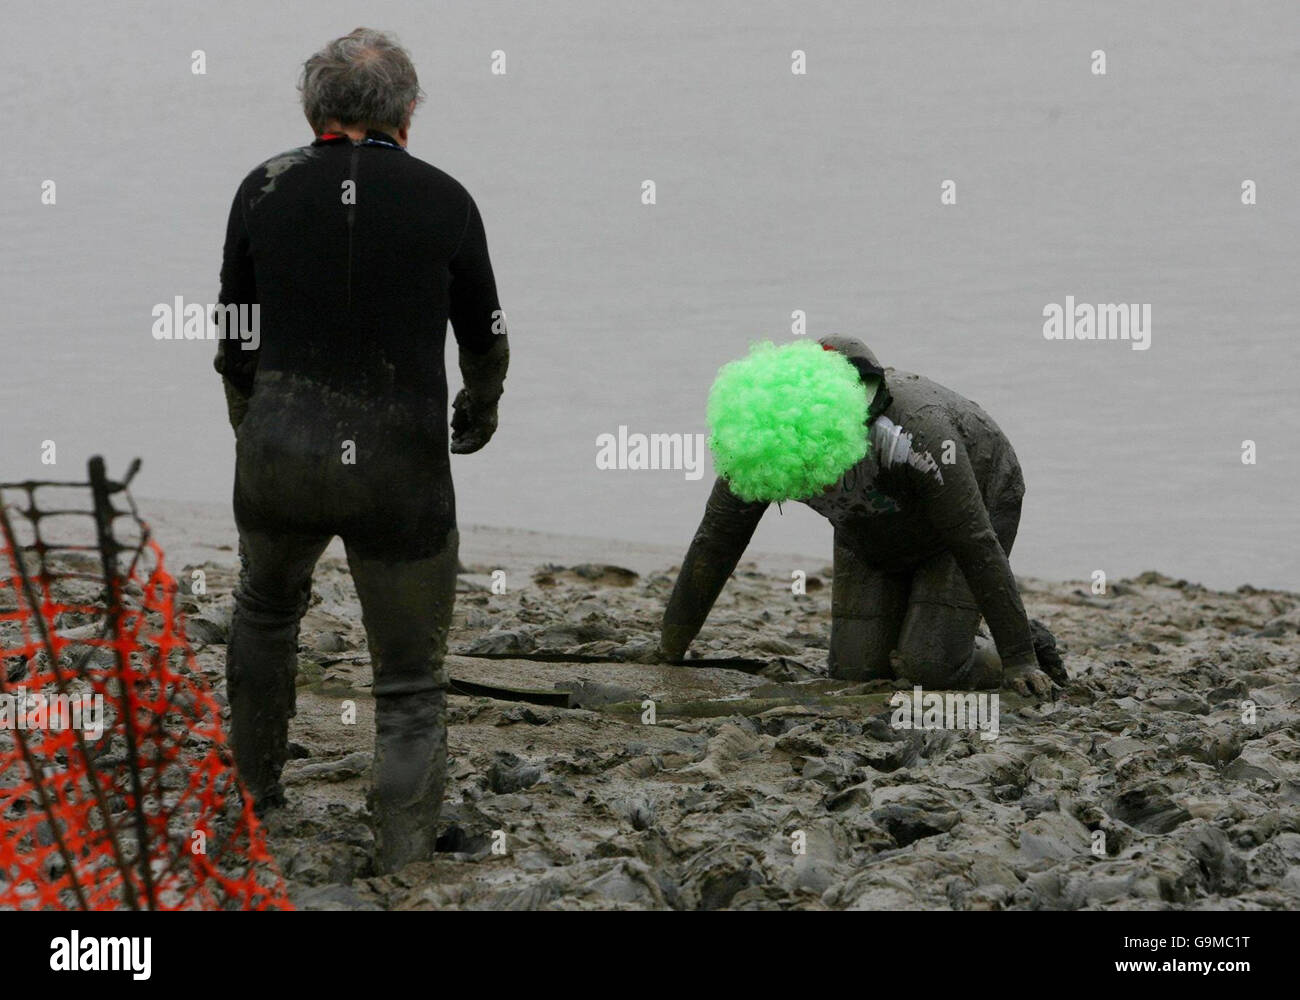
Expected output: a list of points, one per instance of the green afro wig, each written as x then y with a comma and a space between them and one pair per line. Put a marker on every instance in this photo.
788, 421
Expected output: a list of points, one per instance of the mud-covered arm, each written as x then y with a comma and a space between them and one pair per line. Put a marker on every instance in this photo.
950, 498
475, 311
484, 375
480, 329
720, 541
237, 365
474, 410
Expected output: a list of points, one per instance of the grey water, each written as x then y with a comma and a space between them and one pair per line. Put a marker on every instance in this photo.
776, 192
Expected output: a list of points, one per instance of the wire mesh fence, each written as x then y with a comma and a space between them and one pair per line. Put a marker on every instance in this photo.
117, 788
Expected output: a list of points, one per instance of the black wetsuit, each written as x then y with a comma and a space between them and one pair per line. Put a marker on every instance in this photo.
354, 301
357, 255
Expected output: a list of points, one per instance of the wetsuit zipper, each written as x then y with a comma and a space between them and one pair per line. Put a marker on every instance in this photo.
352, 213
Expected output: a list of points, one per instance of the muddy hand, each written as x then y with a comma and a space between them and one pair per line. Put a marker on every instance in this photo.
1028, 681
673, 643
650, 653
472, 424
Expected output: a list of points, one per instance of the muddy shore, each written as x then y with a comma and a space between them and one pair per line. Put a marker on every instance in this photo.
1165, 775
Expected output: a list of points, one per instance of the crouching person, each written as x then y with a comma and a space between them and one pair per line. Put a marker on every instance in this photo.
923, 492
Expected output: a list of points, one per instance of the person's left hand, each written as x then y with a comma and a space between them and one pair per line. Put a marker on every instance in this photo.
472, 423
1027, 680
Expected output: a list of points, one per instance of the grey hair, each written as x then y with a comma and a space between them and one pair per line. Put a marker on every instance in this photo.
363, 78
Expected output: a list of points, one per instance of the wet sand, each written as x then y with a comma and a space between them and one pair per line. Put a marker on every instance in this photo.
1147, 783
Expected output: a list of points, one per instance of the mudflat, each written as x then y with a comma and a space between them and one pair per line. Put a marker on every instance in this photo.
1165, 773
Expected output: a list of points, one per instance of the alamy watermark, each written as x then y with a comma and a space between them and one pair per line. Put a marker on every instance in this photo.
75, 953
651, 451
41, 711
1129, 321
181, 320
973, 711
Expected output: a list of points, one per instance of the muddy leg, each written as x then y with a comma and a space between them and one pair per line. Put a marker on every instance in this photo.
406, 607
866, 614
262, 654
936, 648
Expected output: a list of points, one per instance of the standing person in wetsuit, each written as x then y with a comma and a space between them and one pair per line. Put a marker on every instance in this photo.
357, 255
924, 521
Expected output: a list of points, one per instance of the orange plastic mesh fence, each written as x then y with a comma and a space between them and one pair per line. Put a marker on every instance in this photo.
117, 789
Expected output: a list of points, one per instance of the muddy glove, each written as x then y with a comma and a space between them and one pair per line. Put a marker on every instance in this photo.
473, 423
474, 411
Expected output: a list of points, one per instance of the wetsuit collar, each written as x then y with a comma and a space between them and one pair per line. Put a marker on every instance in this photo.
869, 368
374, 137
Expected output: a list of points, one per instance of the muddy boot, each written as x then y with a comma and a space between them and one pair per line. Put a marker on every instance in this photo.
261, 665
409, 773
